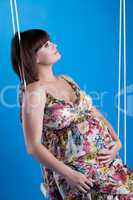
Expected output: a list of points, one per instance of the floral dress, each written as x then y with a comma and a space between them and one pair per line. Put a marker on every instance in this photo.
74, 135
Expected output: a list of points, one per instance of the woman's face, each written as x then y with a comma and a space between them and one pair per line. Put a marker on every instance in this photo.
47, 54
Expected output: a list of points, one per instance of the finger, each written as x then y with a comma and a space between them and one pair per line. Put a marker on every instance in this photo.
89, 181
86, 187
110, 145
117, 183
103, 157
82, 189
105, 161
107, 140
103, 152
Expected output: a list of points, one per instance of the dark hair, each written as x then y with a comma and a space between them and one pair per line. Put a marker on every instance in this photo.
24, 52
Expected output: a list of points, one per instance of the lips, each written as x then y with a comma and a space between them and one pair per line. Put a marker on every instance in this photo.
56, 52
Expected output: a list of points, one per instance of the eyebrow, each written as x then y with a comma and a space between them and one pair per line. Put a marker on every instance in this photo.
46, 42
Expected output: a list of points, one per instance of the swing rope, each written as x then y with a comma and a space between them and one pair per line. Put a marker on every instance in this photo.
125, 102
21, 67
122, 8
119, 70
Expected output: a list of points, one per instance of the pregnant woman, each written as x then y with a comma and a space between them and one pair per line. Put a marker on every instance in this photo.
75, 144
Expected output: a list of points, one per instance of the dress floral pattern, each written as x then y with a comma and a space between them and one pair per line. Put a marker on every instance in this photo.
74, 135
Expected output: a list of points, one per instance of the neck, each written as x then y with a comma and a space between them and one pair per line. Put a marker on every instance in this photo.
46, 73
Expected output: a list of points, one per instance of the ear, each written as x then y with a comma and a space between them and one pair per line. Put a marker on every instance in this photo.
37, 60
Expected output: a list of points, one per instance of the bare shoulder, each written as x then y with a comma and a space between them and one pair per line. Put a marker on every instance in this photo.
35, 94
35, 86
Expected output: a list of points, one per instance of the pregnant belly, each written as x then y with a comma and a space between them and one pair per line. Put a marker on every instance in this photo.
95, 134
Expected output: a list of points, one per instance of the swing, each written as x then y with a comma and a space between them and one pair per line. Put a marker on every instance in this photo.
122, 7
23, 81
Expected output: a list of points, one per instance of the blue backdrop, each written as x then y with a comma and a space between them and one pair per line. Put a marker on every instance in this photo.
86, 33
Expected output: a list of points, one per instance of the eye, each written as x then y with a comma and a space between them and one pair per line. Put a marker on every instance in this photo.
46, 45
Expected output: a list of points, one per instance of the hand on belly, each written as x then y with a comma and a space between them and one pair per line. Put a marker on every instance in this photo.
107, 155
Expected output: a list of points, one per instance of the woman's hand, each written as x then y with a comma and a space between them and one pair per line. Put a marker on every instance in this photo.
80, 181
106, 156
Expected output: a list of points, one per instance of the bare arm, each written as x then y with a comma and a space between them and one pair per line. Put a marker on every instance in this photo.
32, 116
32, 119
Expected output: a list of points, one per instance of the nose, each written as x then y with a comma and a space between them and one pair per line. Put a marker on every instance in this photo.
54, 45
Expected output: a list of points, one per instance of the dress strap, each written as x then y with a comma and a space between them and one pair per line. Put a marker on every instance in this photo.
72, 83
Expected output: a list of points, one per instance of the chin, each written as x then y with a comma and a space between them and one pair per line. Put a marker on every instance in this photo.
55, 59
58, 57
